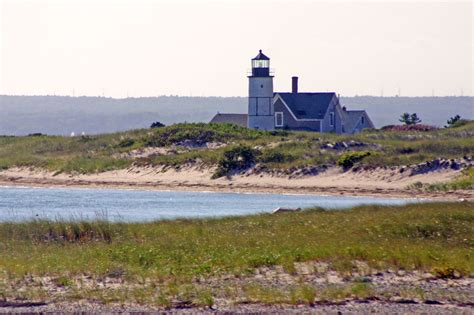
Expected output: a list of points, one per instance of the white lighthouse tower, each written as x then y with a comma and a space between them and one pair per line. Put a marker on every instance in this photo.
261, 112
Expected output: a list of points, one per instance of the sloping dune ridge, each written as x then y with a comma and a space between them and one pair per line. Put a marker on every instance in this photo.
334, 181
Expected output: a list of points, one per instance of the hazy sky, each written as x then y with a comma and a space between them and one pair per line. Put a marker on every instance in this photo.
204, 48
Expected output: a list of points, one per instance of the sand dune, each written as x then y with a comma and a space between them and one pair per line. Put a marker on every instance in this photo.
379, 181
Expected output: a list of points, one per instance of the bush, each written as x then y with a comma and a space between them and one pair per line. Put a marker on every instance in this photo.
127, 142
460, 123
157, 124
418, 127
237, 158
348, 160
387, 127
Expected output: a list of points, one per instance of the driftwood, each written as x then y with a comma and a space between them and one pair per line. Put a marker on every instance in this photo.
283, 209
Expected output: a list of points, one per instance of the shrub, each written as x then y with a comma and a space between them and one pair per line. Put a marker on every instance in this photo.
416, 185
418, 127
157, 124
387, 128
127, 142
348, 160
407, 150
280, 133
446, 273
236, 158
459, 123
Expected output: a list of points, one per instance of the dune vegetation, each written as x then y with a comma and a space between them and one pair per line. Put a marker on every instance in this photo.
232, 148
165, 260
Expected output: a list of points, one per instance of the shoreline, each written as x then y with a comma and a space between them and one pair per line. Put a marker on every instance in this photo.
236, 184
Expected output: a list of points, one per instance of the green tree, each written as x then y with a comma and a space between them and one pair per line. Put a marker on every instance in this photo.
405, 118
414, 119
410, 119
453, 120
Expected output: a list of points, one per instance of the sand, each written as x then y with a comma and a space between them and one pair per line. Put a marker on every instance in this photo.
376, 182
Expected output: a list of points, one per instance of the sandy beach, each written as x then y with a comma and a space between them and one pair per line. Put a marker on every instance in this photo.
377, 182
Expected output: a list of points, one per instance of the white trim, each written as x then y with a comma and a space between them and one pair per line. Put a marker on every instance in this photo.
289, 110
276, 119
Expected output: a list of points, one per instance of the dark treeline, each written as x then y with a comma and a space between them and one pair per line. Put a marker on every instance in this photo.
21, 115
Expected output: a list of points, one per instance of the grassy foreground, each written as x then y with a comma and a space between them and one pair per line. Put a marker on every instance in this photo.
417, 236
159, 263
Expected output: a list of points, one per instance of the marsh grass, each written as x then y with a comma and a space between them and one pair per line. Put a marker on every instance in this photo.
169, 263
415, 236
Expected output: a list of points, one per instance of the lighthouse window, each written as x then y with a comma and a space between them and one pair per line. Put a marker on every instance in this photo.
261, 86
260, 63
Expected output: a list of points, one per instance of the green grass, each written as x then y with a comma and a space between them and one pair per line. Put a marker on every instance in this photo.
418, 236
163, 259
464, 181
90, 154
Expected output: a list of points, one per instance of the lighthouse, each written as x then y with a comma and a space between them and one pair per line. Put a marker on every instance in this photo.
261, 112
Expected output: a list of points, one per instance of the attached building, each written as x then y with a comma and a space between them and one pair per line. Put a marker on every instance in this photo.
236, 119
319, 112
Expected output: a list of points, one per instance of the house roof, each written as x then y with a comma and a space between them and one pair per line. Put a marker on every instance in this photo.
352, 118
261, 56
236, 119
308, 105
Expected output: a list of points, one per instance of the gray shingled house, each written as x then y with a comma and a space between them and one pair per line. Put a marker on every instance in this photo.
268, 110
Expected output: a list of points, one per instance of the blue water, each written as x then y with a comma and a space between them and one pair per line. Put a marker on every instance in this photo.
20, 204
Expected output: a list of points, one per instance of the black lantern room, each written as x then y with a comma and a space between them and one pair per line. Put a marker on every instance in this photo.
261, 65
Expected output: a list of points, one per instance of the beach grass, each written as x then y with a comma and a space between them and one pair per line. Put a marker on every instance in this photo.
275, 150
171, 262
464, 181
422, 236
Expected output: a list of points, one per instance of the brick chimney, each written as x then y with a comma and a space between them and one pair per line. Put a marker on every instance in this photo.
294, 84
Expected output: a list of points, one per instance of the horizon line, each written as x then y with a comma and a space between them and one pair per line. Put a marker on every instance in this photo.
217, 96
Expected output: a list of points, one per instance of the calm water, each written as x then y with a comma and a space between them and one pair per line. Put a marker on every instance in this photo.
17, 204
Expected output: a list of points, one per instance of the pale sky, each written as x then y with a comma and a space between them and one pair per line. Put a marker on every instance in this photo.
204, 48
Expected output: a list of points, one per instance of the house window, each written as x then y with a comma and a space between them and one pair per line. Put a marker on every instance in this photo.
331, 119
279, 119
362, 120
